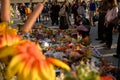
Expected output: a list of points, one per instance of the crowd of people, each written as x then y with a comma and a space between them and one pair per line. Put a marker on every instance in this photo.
104, 11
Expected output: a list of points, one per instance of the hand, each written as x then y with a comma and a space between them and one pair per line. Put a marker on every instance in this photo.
106, 24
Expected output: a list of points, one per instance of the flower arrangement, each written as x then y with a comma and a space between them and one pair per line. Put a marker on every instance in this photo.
81, 72
27, 61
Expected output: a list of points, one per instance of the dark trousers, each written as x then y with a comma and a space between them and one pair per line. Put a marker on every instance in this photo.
63, 23
101, 27
54, 20
75, 18
118, 43
109, 30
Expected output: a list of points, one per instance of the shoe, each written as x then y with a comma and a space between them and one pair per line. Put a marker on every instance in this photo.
116, 56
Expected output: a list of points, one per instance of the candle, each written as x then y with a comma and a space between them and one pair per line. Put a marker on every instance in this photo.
5, 10
32, 18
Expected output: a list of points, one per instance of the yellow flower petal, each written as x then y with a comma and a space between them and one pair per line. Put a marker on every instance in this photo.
16, 64
12, 39
43, 70
46, 71
35, 75
52, 71
15, 61
9, 40
11, 31
28, 67
8, 35
58, 63
3, 26
21, 68
6, 51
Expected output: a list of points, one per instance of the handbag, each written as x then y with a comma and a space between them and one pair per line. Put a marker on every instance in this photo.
115, 21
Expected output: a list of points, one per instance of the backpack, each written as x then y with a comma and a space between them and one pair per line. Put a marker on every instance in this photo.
93, 6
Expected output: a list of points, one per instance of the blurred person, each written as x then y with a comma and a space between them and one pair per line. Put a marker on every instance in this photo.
118, 42
92, 9
84, 4
68, 7
101, 27
63, 17
111, 14
74, 11
55, 8
21, 9
68, 10
17, 12
28, 11
80, 10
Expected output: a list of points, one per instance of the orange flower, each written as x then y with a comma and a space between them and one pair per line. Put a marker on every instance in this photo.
8, 35
29, 63
106, 78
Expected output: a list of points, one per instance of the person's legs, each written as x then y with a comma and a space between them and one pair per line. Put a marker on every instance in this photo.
118, 45
109, 36
101, 28
56, 20
91, 14
75, 18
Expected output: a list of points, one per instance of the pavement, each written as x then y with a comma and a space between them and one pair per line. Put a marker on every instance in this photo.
107, 54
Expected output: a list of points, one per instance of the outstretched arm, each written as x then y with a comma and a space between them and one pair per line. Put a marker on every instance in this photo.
32, 18
5, 10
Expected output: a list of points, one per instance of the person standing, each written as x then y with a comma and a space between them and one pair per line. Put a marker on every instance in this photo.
112, 13
63, 17
118, 42
92, 9
55, 13
81, 10
21, 9
101, 21
68, 10
74, 11
84, 4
